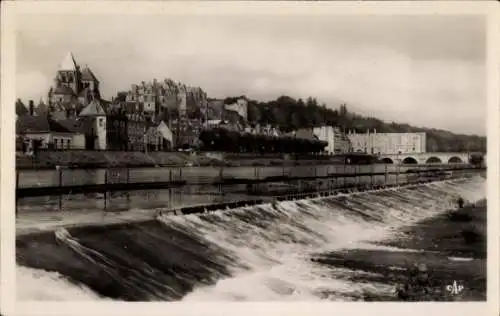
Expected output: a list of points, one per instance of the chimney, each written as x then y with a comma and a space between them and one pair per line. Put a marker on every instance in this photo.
31, 107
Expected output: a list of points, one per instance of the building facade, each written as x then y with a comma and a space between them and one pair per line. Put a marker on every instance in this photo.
388, 143
93, 118
338, 142
158, 97
44, 133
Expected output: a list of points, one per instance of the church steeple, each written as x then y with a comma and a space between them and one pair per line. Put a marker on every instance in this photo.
68, 63
73, 84
68, 74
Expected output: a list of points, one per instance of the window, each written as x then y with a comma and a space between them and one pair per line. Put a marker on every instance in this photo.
101, 122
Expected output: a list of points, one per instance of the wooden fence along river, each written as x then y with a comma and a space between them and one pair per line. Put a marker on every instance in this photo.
250, 181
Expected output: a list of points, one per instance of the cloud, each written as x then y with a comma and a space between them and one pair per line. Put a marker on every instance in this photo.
30, 84
415, 69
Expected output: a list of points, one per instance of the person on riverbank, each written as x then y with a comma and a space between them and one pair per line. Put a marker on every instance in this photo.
460, 202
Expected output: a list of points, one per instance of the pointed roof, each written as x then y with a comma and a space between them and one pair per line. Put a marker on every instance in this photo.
38, 124
73, 125
68, 63
88, 75
93, 109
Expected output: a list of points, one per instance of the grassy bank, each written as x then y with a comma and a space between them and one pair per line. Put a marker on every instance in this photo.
451, 248
109, 159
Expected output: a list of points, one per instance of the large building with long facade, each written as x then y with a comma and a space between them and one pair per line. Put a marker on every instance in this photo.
337, 140
162, 96
388, 143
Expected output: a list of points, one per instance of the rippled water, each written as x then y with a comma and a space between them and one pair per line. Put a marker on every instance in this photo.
255, 253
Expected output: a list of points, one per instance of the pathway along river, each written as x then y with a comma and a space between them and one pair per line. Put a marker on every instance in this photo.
255, 253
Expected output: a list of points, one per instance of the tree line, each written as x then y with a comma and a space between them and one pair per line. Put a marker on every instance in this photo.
221, 139
291, 114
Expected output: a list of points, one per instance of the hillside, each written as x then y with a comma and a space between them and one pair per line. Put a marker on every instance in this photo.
290, 114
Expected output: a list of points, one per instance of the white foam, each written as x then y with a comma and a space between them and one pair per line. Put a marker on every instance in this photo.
36, 284
277, 256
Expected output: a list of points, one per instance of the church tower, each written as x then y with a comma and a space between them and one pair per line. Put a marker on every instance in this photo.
73, 86
68, 74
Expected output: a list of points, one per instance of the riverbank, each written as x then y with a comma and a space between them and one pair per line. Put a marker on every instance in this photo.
110, 159
452, 247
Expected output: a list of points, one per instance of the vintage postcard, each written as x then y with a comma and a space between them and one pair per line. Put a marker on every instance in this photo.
226, 158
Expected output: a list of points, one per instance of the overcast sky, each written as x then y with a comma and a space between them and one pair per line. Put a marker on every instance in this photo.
423, 70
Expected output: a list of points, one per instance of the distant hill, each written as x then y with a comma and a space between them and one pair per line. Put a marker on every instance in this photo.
290, 114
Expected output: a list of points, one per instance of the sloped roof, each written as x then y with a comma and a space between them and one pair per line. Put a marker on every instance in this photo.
38, 124
88, 75
73, 125
68, 63
305, 133
93, 109
21, 109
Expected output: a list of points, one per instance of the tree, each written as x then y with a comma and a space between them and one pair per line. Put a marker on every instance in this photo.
121, 96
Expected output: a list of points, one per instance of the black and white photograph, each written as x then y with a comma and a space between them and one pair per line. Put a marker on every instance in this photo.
168, 155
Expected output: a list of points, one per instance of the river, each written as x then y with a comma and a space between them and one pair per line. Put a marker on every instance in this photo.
193, 175
254, 253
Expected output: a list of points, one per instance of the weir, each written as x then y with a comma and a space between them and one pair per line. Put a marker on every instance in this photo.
252, 252
252, 188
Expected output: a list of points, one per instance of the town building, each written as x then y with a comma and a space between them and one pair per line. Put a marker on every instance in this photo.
45, 133
240, 107
76, 127
338, 142
388, 143
93, 118
136, 125
160, 97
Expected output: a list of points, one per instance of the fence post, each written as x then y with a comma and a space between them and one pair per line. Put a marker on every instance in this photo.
386, 175
105, 188
17, 187
60, 186
372, 170
397, 174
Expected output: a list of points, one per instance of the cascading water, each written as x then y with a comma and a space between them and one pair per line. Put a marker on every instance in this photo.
254, 253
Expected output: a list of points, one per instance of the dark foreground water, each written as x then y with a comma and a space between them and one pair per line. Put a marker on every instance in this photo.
256, 253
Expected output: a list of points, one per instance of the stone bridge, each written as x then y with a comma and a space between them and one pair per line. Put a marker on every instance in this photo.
426, 158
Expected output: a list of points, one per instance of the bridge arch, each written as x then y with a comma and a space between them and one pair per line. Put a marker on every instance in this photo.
387, 160
409, 160
433, 159
455, 159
